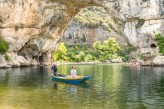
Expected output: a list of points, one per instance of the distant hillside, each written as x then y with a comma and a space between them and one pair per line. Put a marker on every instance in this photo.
93, 17
92, 24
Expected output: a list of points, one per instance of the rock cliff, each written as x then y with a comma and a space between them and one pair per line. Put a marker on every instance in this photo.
92, 24
33, 28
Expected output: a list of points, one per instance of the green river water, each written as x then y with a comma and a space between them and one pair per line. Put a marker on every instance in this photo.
111, 87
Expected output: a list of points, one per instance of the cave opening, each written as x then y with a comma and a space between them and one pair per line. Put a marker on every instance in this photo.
41, 60
153, 45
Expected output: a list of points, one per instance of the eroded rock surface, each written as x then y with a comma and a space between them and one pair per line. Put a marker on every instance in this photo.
33, 28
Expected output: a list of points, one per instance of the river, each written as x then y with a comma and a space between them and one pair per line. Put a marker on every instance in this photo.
111, 87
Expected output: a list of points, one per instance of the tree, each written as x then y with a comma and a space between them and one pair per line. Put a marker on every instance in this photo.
97, 45
88, 57
82, 55
102, 52
60, 54
107, 51
110, 48
97, 49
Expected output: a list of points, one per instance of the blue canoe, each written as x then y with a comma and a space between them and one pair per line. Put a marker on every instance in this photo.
69, 79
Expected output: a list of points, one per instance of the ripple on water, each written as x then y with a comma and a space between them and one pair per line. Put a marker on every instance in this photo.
111, 87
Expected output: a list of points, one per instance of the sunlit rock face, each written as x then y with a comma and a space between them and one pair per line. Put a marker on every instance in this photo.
142, 17
33, 27
30, 27
76, 33
93, 24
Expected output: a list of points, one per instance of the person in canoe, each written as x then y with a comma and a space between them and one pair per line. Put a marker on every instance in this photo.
54, 68
73, 72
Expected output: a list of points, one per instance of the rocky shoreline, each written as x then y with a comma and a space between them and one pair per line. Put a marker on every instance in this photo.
19, 61
28, 64
6, 65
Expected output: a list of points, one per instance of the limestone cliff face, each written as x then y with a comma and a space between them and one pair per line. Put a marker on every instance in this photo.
78, 34
92, 24
33, 27
142, 17
141, 21
28, 26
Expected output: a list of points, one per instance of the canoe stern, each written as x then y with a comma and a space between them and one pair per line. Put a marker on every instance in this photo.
86, 78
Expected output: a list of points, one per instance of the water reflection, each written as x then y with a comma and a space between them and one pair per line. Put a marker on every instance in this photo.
56, 86
26, 77
73, 86
111, 87
73, 89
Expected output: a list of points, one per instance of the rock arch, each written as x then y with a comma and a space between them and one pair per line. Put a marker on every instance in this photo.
42, 22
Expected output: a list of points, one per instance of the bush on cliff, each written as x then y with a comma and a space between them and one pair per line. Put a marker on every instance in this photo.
7, 58
4, 46
160, 42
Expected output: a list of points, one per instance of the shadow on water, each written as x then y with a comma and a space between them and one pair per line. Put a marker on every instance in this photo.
24, 77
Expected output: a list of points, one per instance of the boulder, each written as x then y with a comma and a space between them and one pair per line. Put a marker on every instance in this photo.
3, 63
117, 60
159, 60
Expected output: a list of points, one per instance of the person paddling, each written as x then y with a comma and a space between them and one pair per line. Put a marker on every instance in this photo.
54, 68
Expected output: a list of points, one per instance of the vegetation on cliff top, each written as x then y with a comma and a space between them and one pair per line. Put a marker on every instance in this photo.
93, 17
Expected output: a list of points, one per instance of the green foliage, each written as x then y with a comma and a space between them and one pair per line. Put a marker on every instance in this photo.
94, 17
83, 38
125, 51
7, 58
160, 42
97, 45
88, 58
77, 53
60, 54
106, 51
4, 46
146, 56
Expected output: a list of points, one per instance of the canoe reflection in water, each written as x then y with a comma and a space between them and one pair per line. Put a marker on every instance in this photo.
56, 86
73, 87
